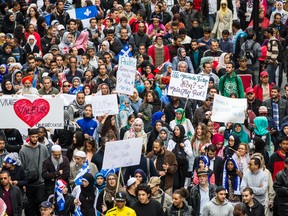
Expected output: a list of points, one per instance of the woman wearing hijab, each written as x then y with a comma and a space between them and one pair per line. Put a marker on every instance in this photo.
31, 46
137, 130
85, 195
125, 110
105, 199
165, 136
224, 20
218, 141
7, 88
221, 67
260, 130
232, 147
154, 134
135, 101
82, 42
9, 23
182, 150
140, 175
66, 43
105, 47
232, 180
180, 118
239, 131
181, 56
3, 71
279, 9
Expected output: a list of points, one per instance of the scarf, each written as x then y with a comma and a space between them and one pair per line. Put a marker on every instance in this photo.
87, 193
261, 124
183, 119
181, 137
100, 187
222, 11
110, 191
235, 179
179, 54
243, 136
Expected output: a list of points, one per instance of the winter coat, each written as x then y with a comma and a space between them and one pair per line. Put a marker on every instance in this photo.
185, 211
281, 189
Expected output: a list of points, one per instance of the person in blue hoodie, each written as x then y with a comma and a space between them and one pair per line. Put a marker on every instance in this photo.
88, 124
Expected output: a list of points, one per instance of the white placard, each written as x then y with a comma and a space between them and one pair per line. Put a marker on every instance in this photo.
102, 104
188, 85
29, 111
228, 109
126, 75
122, 153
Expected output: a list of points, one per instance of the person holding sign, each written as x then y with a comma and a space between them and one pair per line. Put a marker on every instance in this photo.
231, 83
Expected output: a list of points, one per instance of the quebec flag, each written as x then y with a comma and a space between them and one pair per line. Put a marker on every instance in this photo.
78, 212
84, 14
106, 172
124, 52
84, 169
59, 197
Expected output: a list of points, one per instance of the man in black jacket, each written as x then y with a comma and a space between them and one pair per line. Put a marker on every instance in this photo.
11, 195
49, 39
254, 208
202, 188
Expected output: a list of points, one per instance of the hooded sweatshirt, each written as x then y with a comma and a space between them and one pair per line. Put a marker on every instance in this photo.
218, 209
65, 45
231, 84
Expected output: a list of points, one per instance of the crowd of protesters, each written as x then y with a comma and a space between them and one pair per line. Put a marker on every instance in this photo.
189, 164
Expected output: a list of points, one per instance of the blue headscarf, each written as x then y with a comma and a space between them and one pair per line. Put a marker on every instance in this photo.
156, 116
6, 72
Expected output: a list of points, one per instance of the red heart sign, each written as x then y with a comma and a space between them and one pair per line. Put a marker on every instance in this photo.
31, 113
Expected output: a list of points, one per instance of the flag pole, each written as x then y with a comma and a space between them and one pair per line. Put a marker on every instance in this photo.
118, 180
184, 107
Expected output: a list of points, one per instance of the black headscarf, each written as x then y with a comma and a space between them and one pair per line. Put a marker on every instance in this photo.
89, 191
4, 90
180, 138
8, 26
228, 149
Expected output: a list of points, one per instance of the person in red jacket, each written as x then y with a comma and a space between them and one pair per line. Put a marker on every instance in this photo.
159, 50
263, 89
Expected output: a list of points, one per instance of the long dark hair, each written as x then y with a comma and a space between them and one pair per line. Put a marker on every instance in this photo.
107, 126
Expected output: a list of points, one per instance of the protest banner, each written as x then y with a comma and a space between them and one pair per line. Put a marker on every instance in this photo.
228, 109
102, 104
188, 85
122, 153
29, 111
126, 75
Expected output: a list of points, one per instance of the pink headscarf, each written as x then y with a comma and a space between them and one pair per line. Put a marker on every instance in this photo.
82, 41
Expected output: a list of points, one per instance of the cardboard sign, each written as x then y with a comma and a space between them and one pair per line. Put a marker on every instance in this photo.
228, 109
122, 153
102, 104
188, 85
31, 111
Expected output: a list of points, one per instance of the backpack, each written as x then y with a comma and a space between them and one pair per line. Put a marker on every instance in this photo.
249, 53
280, 56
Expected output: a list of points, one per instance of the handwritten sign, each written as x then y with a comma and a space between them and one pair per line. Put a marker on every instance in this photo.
188, 85
228, 109
122, 153
102, 104
126, 75
31, 111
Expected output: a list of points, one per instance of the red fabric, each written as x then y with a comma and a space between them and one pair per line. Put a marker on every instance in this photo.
278, 165
197, 5
165, 80
134, 25
259, 91
37, 37
246, 80
26, 78
151, 52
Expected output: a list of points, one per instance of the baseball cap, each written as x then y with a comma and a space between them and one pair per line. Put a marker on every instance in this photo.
249, 90
264, 73
154, 181
60, 27
120, 196
131, 181
263, 109
202, 172
54, 47
46, 204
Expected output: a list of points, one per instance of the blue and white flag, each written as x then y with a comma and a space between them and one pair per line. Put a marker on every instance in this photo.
84, 169
124, 52
78, 212
106, 172
84, 14
59, 197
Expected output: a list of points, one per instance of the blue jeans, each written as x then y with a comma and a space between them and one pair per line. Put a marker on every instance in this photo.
211, 20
